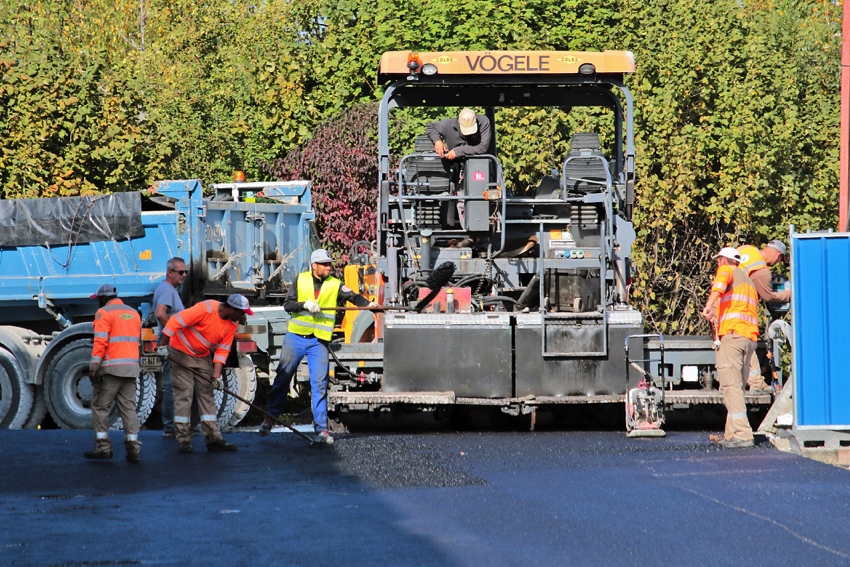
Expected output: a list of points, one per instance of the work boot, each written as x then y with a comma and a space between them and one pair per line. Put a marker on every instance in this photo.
323, 438
185, 447
266, 427
133, 456
99, 453
221, 446
736, 443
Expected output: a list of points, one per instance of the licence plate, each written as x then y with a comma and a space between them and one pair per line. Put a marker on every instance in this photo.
151, 362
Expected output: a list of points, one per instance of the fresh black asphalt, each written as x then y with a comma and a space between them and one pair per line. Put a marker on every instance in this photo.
506, 498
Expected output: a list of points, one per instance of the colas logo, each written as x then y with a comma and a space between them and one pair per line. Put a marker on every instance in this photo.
570, 59
126, 316
443, 59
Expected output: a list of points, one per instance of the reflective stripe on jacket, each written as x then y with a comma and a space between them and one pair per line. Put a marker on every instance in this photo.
751, 259
321, 325
199, 330
737, 310
117, 332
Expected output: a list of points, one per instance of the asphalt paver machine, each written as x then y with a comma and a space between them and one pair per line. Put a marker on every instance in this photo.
537, 308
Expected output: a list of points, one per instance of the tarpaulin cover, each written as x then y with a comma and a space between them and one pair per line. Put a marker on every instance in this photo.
70, 220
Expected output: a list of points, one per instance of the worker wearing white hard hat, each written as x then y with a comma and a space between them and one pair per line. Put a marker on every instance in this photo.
311, 301
733, 306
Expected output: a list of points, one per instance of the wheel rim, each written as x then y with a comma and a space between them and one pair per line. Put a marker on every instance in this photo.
78, 391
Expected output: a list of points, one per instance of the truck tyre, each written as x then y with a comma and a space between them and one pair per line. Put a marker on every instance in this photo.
225, 405
145, 399
247, 378
16, 395
68, 389
38, 411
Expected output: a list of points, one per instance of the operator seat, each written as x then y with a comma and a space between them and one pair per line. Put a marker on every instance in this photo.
585, 168
424, 173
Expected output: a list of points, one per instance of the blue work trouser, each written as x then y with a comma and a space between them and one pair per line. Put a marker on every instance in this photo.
294, 349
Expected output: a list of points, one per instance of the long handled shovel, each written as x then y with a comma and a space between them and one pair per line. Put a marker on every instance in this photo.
243, 400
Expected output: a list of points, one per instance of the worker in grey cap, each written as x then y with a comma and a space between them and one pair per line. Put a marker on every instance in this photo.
113, 370
756, 265
311, 303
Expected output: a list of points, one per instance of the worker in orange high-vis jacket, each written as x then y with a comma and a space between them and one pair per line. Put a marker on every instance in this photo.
113, 370
199, 342
756, 264
733, 306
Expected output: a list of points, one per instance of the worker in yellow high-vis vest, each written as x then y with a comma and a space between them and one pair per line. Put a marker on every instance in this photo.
756, 265
733, 306
311, 302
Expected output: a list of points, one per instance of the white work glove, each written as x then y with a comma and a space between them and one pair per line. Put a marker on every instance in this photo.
372, 305
162, 351
312, 306
218, 384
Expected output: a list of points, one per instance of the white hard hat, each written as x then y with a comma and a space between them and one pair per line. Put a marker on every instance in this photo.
729, 252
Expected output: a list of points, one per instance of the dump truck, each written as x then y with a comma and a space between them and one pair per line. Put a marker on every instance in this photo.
535, 311
249, 238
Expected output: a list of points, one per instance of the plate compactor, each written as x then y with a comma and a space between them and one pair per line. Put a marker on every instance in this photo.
645, 403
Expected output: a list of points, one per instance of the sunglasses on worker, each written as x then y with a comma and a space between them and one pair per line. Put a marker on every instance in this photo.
181, 272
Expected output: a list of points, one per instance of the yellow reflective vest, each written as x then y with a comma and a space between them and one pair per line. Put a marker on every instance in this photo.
751, 259
321, 325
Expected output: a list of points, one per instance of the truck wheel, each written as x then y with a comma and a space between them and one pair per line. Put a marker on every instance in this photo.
225, 404
247, 378
67, 388
145, 399
15, 394
38, 411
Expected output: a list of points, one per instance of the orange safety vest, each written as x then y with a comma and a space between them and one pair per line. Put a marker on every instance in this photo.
751, 259
117, 332
738, 309
199, 330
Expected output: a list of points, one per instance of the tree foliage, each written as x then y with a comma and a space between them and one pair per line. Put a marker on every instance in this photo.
340, 161
737, 123
736, 108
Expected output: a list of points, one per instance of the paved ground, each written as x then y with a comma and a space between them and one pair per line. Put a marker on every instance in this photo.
581, 498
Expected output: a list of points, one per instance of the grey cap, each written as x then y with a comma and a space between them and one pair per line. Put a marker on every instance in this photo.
106, 290
321, 256
779, 246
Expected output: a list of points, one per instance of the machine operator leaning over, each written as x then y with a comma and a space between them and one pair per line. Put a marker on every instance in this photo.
756, 264
311, 301
733, 305
113, 369
466, 135
199, 340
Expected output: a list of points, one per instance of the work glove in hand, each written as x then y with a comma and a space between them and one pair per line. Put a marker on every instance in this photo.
94, 371
162, 351
312, 306
372, 305
218, 384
